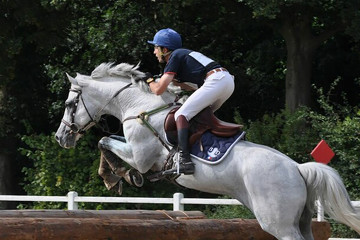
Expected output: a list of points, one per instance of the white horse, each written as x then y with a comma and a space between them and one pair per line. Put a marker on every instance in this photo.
280, 192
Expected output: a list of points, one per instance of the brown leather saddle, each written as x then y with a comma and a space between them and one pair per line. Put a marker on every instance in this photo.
203, 121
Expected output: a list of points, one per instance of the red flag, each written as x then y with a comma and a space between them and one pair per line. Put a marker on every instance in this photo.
322, 152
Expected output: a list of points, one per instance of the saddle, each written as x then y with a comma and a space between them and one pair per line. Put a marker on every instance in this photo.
202, 122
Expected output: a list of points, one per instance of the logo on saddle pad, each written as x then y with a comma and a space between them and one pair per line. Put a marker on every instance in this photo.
213, 152
212, 148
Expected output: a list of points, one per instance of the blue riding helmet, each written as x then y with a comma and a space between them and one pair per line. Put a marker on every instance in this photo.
167, 38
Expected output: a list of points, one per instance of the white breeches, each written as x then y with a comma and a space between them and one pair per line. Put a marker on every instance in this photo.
216, 89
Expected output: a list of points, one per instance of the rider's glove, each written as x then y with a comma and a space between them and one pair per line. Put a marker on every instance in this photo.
148, 78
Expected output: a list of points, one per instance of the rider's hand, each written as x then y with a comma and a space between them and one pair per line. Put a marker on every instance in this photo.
148, 78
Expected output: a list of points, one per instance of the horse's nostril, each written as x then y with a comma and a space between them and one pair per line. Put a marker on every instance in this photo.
57, 138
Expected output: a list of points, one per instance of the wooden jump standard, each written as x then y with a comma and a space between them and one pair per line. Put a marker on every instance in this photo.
132, 225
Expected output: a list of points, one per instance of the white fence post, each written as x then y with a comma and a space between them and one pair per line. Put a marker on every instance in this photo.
177, 205
320, 211
72, 205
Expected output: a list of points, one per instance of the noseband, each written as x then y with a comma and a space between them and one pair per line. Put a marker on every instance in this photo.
74, 128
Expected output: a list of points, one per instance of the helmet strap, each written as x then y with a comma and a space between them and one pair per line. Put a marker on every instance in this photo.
163, 55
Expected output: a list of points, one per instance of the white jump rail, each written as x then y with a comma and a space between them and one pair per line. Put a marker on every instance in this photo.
178, 201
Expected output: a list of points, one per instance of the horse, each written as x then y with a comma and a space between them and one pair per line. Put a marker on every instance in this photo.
280, 192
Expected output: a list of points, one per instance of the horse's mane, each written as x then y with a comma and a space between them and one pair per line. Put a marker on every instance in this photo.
122, 70
125, 70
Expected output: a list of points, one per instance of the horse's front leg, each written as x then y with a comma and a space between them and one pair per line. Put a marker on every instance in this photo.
108, 145
121, 149
111, 180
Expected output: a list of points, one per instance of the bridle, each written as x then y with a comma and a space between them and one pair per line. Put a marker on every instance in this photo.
74, 128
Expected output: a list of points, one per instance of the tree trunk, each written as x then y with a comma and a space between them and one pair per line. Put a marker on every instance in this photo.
298, 77
7, 175
301, 45
300, 51
6, 179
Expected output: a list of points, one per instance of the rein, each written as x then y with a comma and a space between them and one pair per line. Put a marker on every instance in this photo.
73, 126
144, 116
114, 96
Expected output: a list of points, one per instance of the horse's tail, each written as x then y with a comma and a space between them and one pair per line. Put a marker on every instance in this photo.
325, 184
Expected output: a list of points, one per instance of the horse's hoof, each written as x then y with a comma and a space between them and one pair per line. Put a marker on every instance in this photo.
117, 188
134, 177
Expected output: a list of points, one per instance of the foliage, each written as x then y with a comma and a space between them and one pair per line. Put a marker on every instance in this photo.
325, 14
339, 125
56, 171
342, 132
287, 132
29, 31
305, 26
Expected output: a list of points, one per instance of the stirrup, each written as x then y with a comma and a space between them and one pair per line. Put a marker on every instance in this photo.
186, 168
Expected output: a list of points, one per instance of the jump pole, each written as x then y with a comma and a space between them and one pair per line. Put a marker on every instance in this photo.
130, 226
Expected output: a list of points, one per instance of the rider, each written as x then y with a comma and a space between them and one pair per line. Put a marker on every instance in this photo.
183, 65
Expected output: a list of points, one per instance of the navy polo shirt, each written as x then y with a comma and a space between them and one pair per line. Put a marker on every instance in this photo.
189, 66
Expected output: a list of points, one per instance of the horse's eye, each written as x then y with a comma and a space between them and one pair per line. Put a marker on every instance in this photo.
69, 104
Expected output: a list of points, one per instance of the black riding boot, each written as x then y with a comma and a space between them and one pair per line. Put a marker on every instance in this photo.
186, 165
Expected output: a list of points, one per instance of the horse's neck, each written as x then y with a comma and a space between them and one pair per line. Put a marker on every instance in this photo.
131, 101
104, 96
138, 101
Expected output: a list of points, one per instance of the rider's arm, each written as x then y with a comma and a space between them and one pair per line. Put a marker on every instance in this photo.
160, 86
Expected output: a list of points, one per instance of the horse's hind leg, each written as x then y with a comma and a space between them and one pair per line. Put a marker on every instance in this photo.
278, 202
297, 230
305, 224
283, 230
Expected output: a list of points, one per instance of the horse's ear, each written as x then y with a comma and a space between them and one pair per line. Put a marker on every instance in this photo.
71, 79
82, 82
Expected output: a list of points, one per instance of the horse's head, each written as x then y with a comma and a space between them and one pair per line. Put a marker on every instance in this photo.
77, 116
92, 96
89, 97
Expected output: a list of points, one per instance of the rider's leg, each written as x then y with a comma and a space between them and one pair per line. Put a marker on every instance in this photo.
214, 92
186, 165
